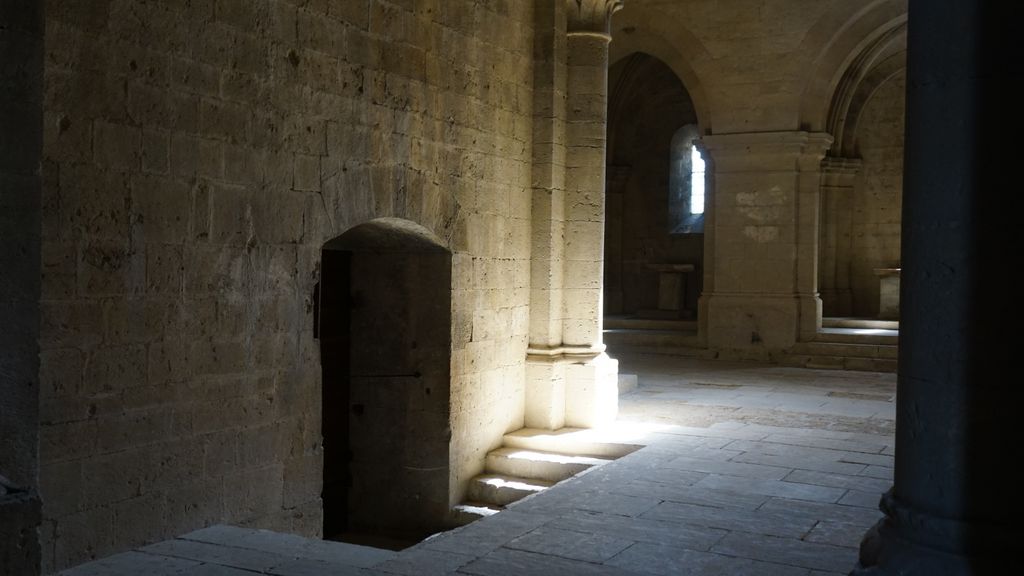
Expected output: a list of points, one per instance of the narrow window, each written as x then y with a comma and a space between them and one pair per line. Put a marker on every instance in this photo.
696, 181
686, 183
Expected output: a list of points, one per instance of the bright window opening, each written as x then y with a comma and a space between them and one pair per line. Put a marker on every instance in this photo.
696, 181
686, 183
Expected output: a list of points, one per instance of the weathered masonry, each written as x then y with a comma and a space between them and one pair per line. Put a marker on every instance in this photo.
303, 264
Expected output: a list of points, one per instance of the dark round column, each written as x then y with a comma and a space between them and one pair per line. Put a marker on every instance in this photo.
956, 507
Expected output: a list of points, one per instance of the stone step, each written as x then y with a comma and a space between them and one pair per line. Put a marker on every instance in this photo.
634, 323
825, 362
468, 512
499, 490
846, 350
862, 323
680, 351
578, 441
887, 338
536, 464
655, 338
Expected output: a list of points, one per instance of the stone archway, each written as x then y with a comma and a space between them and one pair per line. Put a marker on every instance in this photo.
650, 228
861, 183
385, 338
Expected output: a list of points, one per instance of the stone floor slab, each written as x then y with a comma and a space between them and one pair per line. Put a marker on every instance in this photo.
726, 487
311, 567
883, 472
505, 562
425, 562
818, 511
134, 563
861, 499
772, 488
756, 522
585, 546
290, 545
728, 468
872, 446
253, 560
217, 570
862, 483
837, 533
488, 534
789, 551
694, 495
669, 561
815, 452
641, 530
795, 462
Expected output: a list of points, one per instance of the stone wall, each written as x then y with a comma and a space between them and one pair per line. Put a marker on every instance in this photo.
877, 201
197, 156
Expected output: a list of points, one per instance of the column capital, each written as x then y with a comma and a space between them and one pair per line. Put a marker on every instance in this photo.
766, 151
591, 16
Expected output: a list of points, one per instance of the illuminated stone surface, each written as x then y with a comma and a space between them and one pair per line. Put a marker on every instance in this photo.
732, 480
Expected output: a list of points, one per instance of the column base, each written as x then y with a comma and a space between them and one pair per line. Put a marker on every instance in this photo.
836, 303
545, 393
570, 388
829, 302
592, 392
908, 543
810, 316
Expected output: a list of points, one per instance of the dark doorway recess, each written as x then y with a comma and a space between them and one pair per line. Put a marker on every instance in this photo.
385, 338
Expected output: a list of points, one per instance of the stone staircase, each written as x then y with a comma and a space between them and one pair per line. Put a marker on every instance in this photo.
532, 460
842, 344
845, 351
649, 336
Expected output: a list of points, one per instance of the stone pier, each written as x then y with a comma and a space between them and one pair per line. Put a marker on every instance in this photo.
760, 291
955, 507
571, 381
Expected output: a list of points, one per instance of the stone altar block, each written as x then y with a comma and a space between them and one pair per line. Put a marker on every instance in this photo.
888, 293
671, 290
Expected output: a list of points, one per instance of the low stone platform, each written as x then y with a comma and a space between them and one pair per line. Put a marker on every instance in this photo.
746, 470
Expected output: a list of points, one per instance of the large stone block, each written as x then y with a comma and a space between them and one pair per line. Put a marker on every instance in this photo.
592, 392
742, 321
545, 393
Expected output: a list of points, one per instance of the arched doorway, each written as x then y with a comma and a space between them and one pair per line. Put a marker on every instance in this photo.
862, 181
385, 338
654, 241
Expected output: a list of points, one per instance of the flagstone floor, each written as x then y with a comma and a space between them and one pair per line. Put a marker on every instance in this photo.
746, 470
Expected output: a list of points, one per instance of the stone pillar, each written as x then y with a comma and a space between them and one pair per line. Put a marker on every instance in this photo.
956, 505
761, 241
21, 130
570, 379
545, 370
838, 180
